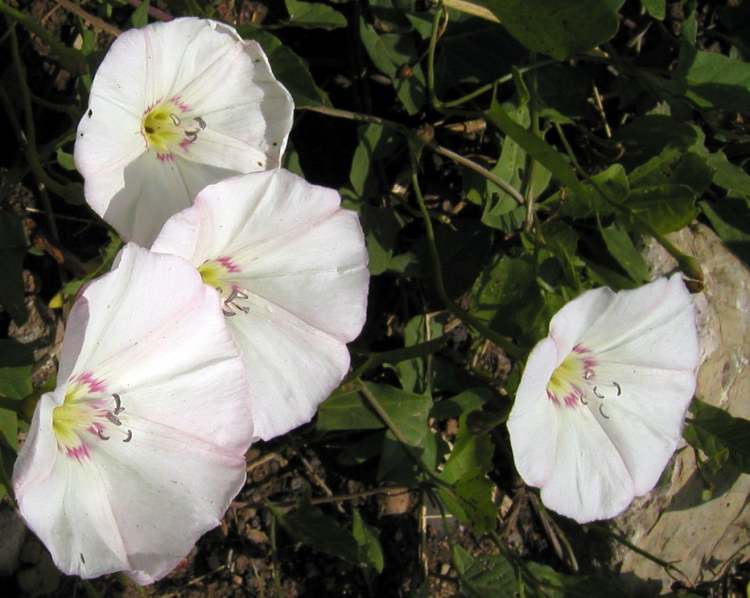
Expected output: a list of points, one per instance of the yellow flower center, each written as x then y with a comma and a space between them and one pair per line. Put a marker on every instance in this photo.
169, 127
569, 381
217, 273
160, 127
87, 414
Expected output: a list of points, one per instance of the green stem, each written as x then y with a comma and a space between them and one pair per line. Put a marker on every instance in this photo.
396, 355
275, 558
668, 567
70, 192
471, 165
528, 185
73, 112
412, 136
502, 342
382, 413
72, 60
490, 86
687, 264
436, 103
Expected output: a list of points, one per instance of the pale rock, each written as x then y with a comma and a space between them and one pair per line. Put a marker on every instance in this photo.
673, 523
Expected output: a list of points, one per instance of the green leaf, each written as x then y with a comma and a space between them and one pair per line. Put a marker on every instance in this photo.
375, 143
9, 427
621, 248
656, 8
13, 246
559, 29
382, 226
139, 17
719, 82
288, 68
506, 282
471, 457
666, 208
465, 402
349, 411
586, 201
712, 430
65, 160
473, 51
510, 167
313, 15
377, 50
729, 176
413, 372
483, 576
469, 497
368, 539
390, 52
562, 240
730, 218
551, 584
318, 531
536, 147
103, 264
15, 382
655, 135
16, 365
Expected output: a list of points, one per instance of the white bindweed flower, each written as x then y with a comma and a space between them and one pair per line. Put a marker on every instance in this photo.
291, 268
599, 409
140, 448
174, 107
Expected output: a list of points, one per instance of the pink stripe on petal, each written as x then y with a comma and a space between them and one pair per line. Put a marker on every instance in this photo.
94, 384
79, 452
228, 263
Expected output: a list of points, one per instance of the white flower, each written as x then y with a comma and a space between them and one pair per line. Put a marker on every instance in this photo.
601, 402
140, 448
174, 107
291, 267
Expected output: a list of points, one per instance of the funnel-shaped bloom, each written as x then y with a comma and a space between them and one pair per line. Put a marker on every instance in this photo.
140, 448
291, 268
175, 107
601, 402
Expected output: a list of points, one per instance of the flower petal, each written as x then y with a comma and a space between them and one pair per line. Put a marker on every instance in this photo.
569, 325
243, 106
166, 488
533, 422
653, 325
645, 423
64, 503
293, 366
203, 66
154, 334
302, 261
589, 480
153, 191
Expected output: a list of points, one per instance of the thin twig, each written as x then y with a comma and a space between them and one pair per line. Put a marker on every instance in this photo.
490, 86
471, 165
318, 481
263, 460
600, 109
71, 59
468, 318
31, 156
92, 20
157, 13
338, 498
411, 135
